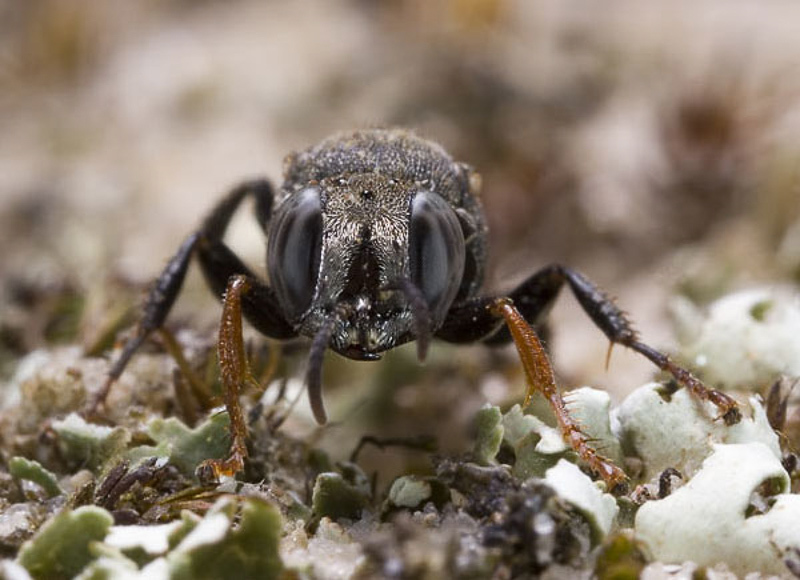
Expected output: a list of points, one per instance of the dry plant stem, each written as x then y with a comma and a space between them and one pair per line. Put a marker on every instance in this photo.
233, 372
115, 321
540, 378
199, 389
186, 403
114, 373
99, 399
271, 368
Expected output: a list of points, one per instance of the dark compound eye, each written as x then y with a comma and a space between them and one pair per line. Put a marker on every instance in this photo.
293, 255
436, 252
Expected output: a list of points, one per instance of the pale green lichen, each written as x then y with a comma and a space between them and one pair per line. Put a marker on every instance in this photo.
537, 446
27, 469
519, 425
141, 544
663, 429
184, 447
489, 434
88, 445
540, 451
216, 548
577, 489
111, 564
673, 430
409, 491
335, 497
235, 539
189, 522
744, 340
591, 408
710, 519
61, 549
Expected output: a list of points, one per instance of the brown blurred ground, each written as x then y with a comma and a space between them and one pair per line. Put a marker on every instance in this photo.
652, 145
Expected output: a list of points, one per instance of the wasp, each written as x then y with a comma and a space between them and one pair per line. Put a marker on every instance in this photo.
377, 238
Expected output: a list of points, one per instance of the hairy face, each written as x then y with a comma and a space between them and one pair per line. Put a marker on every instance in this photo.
370, 256
373, 240
364, 259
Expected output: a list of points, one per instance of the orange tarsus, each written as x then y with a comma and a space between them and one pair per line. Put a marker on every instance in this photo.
234, 372
271, 368
540, 378
728, 407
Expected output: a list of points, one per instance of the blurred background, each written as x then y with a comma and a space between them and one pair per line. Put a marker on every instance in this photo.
654, 146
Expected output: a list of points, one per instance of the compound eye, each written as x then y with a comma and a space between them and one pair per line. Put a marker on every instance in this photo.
293, 254
436, 252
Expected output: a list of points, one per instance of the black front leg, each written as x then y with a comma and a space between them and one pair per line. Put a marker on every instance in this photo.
156, 308
616, 326
219, 264
473, 320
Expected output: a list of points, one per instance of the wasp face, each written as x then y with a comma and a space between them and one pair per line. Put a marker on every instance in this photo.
372, 261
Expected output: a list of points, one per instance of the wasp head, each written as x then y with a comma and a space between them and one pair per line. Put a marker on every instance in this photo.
373, 260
